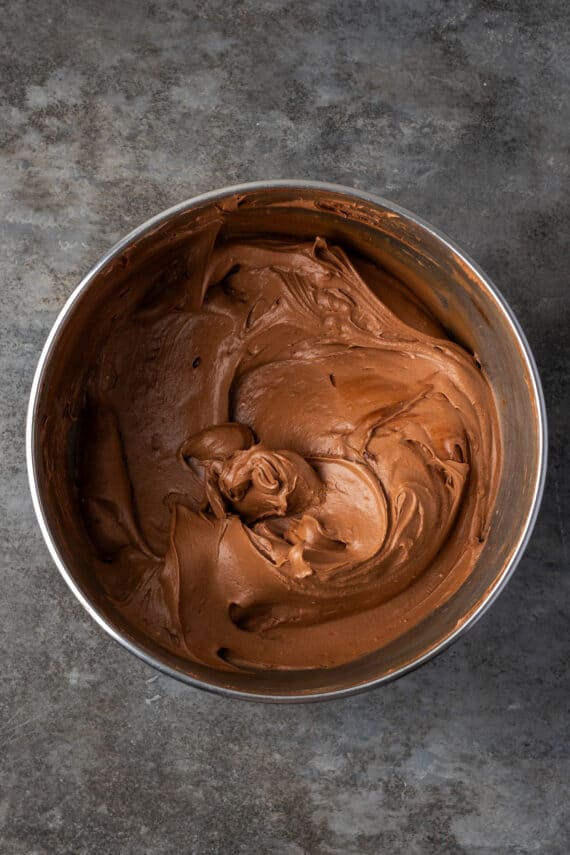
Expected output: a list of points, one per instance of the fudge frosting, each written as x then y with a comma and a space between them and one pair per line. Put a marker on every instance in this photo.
285, 461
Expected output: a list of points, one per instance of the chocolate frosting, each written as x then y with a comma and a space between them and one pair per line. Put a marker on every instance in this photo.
285, 461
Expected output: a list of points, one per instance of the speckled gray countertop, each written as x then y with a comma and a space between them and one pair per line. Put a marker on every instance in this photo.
112, 111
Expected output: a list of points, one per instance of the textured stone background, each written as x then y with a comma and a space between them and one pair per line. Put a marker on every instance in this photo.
112, 111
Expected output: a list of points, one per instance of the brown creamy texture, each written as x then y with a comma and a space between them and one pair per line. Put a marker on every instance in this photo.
288, 464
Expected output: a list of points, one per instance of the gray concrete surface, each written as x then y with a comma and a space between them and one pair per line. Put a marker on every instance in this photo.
113, 111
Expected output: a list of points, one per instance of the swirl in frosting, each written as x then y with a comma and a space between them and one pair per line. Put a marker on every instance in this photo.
291, 467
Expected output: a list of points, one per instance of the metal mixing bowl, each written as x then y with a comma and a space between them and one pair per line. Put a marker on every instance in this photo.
456, 291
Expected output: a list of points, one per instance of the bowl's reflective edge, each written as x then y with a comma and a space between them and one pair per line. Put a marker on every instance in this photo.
406, 658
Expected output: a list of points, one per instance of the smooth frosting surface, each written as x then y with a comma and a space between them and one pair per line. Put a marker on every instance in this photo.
285, 463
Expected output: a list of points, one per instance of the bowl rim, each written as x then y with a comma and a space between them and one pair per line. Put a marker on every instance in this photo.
536, 390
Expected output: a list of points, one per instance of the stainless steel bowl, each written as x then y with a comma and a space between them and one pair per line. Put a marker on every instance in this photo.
458, 293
